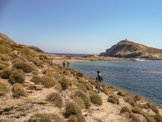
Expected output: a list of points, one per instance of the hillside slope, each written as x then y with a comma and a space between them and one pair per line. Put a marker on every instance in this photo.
34, 89
128, 49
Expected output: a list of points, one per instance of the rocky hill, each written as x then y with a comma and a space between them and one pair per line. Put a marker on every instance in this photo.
128, 49
34, 89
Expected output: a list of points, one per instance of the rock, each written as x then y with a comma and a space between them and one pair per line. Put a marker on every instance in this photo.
38, 87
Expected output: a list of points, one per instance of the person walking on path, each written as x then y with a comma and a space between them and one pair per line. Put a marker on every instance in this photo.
64, 63
68, 63
99, 79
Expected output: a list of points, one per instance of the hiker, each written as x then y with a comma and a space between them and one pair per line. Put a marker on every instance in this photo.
64, 63
68, 63
99, 79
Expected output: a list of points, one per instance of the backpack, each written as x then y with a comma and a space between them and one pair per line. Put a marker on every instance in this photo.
100, 78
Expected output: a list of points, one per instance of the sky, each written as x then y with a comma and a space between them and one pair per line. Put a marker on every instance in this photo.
81, 26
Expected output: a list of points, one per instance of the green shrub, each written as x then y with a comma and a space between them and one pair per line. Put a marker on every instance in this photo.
130, 100
17, 76
72, 109
157, 117
79, 102
72, 118
95, 98
36, 79
6, 73
113, 99
43, 57
18, 90
43, 117
125, 109
3, 88
27, 68
56, 99
64, 83
82, 87
47, 82
84, 97
3, 66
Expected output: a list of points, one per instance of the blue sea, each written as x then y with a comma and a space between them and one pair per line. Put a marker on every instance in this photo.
71, 54
143, 78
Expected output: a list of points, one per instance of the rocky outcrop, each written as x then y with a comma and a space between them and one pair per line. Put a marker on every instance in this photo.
128, 49
4, 37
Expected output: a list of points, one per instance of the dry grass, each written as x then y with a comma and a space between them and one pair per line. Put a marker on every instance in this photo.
17, 76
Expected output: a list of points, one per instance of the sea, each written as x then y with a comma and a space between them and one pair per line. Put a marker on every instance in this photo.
71, 54
139, 78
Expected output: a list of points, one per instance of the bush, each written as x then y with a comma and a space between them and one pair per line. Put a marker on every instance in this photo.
137, 110
151, 106
72, 118
3, 88
82, 87
113, 99
80, 118
56, 99
6, 73
72, 109
79, 74
36, 79
27, 68
125, 109
134, 118
79, 102
47, 82
95, 98
84, 97
122, 93
130, 100
4, 49
137, 97
43, 117
105, 88
18, 90
3, 66
17, 76
64, 83
88, 86
157, 117
58, 87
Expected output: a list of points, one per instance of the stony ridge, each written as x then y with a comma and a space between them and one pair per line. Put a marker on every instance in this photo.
129, 49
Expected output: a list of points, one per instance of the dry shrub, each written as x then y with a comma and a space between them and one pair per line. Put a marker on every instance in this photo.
58, 87
56, 99
82, 87
79, 102
18, 90
79, 74
72, 109
137, 98
125, 109
95, 98
113, 99
4, 89
5, 73
3, 66
84, 97
88, 86
151, 106
64, 83
47, 82
17, 76
105, 88
157, 117
129, 99
122, 93
72, 118
43, 117
26, 67
36, 79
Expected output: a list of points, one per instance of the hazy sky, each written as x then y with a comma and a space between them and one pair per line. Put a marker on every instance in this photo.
81, 26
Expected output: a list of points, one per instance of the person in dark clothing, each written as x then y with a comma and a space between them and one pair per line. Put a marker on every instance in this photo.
64, 63
99, 79
68, 63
